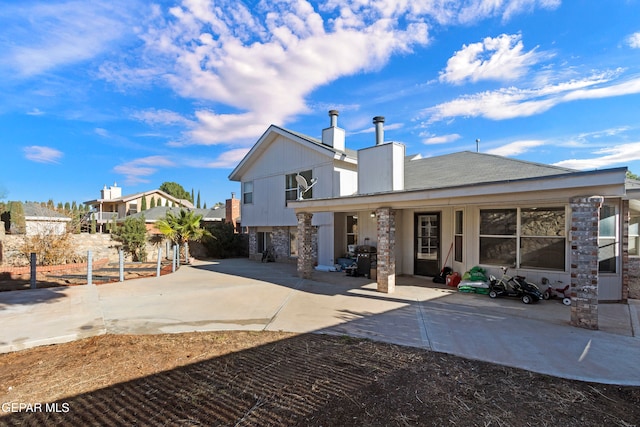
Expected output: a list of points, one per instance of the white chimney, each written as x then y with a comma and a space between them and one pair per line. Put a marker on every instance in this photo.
333, 136
381, 167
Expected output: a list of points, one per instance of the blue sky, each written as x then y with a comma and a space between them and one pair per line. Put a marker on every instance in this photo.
139, 93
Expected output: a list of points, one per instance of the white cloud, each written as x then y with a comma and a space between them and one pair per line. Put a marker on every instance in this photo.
448, 12
41, 154
137, 170
35, 112
501, 58
163, 117
260, 64
508, 103
634, 40
371, 128
617, 155
228, 159
44, 35
441, 139
515, 148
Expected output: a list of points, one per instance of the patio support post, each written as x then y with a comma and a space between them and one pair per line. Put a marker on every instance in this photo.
386, 264
585, 218
626, 217
305, 245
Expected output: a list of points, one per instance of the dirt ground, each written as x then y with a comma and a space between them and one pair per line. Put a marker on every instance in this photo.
74, 277
283, 379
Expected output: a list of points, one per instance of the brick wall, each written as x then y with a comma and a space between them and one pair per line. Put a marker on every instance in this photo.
52, 268
585, 217
280, 243
386, 264
253, 244
232, 211
306, 258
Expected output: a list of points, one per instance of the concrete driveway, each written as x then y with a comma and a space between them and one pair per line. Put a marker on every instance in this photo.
238, 294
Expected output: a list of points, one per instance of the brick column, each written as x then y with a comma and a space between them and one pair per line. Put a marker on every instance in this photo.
386, 266
585, 217
626, 217
305, 245
253, 243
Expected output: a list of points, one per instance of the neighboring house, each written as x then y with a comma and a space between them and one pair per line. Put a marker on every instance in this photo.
468, 209
40, 220
151, 216
112, 204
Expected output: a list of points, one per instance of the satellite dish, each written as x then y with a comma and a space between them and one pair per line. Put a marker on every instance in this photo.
303, 185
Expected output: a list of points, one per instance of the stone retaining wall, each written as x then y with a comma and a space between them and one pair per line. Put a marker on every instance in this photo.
101, 246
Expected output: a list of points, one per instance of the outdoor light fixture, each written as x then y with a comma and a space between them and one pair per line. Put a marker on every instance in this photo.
373, 214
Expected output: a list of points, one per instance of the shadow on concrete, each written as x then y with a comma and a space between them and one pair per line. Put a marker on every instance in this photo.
30, 296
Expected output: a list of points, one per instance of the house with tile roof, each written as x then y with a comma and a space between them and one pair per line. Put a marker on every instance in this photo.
458, 210
113, 205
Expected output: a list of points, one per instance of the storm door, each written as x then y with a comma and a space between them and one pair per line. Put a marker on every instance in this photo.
427, 244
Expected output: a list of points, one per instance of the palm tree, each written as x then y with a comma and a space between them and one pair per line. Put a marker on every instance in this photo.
182, 228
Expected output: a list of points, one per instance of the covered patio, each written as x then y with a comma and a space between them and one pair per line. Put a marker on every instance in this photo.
389, 218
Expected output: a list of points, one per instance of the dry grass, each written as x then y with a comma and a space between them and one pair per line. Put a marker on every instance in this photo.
260, 378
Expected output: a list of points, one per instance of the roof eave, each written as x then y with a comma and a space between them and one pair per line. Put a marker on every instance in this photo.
236, 174
608, 181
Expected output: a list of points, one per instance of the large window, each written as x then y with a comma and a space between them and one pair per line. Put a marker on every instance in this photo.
291, 186
634, 235
352, 230
498, 239
542, 238
263, 240
458, 236
607, 237
523, 237
247, 192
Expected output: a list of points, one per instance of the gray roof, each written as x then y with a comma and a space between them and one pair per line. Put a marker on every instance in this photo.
154, 214
36, 210
469, 168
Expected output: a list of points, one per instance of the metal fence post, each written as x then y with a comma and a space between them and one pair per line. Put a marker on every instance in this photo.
159, 261
33, 261
177, 256
121, 264
89, 268
173, 260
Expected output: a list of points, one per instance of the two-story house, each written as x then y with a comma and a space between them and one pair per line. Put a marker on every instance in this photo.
113, 205
268, 180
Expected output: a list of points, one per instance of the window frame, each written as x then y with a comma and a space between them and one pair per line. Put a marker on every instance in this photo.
608, 238
247, 195
291, 190
515, 235
353, 233
458, 235
634, 235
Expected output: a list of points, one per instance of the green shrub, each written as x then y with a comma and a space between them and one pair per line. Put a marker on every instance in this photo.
224, 242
